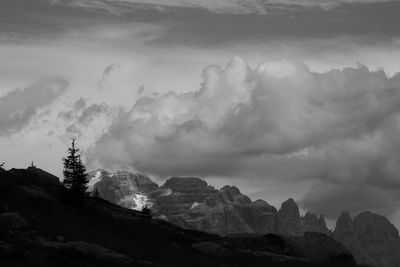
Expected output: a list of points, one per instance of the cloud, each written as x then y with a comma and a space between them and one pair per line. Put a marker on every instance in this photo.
18, 107
332, 199
87, 122
80, 104
277, 108
359, 174
140, 90
221, 6
105, 77
279, 121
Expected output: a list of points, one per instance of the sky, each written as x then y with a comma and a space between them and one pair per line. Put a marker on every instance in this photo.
282, 98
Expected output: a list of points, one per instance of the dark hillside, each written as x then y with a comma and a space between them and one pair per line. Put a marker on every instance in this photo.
39, 228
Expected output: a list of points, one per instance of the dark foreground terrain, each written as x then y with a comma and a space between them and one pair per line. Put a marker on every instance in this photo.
39, 227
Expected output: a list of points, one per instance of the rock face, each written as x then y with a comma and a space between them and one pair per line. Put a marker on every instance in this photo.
122, 188
261, 216
288, 221
191, 203
370, 237
311, 223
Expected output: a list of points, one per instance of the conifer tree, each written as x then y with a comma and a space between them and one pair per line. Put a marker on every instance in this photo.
75, 176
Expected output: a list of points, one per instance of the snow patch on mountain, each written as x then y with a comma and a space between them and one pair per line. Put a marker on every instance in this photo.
166, 192
140, 201
92, 181
162, 217
194, 205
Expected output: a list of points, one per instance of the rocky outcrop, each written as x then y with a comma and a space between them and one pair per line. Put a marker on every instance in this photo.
288, 220
261, 216
191, 203
311, 223
122, 188
371, 238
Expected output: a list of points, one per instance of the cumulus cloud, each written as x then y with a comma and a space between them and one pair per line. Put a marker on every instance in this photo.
87, 121
278, 121
18, 107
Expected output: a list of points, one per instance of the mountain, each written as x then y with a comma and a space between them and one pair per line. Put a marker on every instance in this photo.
370, 237
39, 226
191, 203
123, 188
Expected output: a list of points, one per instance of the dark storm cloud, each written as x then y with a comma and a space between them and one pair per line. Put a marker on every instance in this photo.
332, 199
360, 174
18, 107
355, 20
196, 25
27, 21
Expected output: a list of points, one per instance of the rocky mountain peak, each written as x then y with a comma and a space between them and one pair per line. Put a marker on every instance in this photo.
290, 207
375, 225
185, 184
312, 223
122, 188
371, 238
231, 189
288, 221
344, 223
263, 203
232, 194
191, 203
144, 183
289, 204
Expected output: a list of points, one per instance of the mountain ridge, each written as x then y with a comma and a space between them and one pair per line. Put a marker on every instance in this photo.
39, 227
191, 203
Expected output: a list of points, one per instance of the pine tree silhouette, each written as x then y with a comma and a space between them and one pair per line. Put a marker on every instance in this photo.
75, 176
